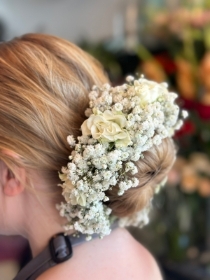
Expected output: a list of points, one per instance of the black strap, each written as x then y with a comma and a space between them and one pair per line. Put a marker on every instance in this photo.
58, 250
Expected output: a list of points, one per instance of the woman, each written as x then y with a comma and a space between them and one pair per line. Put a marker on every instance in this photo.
44, 87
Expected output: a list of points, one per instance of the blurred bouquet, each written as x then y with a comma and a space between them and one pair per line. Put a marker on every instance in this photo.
192, 174
184, 32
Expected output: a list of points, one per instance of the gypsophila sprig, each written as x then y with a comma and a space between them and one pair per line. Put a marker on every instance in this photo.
122, 123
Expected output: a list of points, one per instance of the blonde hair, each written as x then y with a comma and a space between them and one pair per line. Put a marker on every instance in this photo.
44, 85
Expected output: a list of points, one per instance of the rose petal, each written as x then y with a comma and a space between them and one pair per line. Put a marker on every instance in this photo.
85, 129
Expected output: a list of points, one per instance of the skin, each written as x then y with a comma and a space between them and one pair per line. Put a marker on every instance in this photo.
117, 256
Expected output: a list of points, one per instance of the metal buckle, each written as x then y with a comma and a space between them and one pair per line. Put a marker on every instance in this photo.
55, 258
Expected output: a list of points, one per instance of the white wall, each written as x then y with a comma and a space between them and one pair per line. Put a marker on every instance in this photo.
70, 19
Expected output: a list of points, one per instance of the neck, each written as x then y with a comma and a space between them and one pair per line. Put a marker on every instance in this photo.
43, 221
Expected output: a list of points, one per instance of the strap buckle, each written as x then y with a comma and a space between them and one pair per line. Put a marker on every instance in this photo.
60, 242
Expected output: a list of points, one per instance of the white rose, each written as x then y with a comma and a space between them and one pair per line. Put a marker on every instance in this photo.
149, 92
107, 127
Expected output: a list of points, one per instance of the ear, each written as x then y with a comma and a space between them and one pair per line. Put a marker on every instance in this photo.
13, 184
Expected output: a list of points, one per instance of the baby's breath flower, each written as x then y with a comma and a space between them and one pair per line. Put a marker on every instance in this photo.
156, 140
118, 107
71, 140
184, 114
129, 79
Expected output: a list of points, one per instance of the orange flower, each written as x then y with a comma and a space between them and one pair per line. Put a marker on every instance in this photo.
185, 79
189, 180
153, 71
204, 187
204, 71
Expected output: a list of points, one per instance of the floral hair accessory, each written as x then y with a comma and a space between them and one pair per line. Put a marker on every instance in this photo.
123, 122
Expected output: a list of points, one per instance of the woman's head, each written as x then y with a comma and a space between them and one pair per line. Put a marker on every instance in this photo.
44, 86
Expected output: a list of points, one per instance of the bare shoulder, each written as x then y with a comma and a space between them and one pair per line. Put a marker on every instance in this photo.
137, 261
118, 256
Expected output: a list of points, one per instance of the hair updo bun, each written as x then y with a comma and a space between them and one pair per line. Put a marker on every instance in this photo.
152, 170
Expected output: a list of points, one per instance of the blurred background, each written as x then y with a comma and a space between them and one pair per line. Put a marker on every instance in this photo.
166, 40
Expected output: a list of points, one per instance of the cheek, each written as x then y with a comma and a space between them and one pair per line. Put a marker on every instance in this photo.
1, 202
4, 206
2, 219
3, 214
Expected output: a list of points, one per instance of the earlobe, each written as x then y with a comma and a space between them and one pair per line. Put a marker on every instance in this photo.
11, 185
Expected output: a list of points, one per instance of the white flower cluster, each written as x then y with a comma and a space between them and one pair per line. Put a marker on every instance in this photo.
123, 122
139, 219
